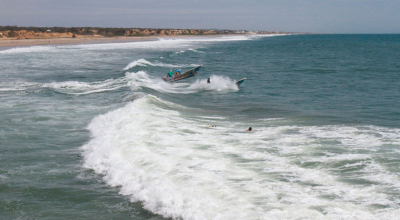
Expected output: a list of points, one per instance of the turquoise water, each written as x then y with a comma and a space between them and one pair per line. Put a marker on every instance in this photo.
90, 131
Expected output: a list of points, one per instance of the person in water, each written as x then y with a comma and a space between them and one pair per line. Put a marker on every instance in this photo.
170, 73
249, 129
178, 72
208, 80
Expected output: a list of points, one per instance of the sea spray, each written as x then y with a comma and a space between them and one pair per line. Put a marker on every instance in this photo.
80, 138
217, 83
180, 168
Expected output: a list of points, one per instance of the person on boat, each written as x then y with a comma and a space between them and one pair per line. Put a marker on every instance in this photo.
178, 72
249, 129
170, 73
208, 80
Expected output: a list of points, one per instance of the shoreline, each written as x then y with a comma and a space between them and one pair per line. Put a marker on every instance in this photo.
7, 43
11, 43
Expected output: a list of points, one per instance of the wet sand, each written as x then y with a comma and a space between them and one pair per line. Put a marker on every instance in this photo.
5, 43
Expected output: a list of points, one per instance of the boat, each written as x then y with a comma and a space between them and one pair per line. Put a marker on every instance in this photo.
240, 81
187, 74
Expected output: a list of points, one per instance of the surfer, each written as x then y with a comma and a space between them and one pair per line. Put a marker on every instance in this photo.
249, 129
208, 80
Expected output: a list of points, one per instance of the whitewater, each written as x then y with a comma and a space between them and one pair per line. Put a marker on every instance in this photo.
92, 131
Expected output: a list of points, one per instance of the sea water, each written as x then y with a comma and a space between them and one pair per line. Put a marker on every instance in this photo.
90, 131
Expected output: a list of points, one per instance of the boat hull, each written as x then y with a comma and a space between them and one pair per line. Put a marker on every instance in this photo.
240, 81
185, 75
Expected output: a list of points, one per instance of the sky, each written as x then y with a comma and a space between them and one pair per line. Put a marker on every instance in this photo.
317, 16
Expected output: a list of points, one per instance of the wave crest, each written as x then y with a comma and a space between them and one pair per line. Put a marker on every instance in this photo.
179, 168
144, 62
218, 83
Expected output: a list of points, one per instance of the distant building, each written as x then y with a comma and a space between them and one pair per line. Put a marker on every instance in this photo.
48, 31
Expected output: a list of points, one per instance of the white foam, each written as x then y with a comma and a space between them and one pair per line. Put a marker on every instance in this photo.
148, 45
11, 89
215, 38
18, 86
144, 62
257, 36
194, 50
379, 174
140, 62
180, 168
218, 83
160, 172
134, 80
68, 85
28, 49
81, 88
158, 44
141, 79
3, 177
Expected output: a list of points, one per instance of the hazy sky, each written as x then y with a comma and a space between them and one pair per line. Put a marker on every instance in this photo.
322, 16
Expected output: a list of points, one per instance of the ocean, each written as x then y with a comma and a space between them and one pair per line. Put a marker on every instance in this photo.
90, 131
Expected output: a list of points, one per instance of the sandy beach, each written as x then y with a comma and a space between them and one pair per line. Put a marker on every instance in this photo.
32, 37
5, 43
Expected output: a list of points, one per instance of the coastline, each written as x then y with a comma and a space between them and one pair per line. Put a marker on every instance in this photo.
14, 36
10, 43
6, 43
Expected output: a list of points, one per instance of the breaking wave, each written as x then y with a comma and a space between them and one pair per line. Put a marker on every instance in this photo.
219, 84
29, 49
180, 168
133, 80
68, 87
157, 43
144, 62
